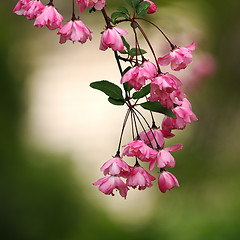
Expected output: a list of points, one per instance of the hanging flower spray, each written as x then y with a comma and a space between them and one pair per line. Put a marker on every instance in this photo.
144, 87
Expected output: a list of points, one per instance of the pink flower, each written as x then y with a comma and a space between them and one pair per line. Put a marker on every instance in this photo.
97, 4
140, 150
139, 177
168, 124
20, 7
164, 158
137, 76
184, 115
33, 9
76, 31
49, 17
152, 8
150, 69
111, 38
108, 184
179, 57
184, 112
161, 87
115, 166
151, 136
167, 181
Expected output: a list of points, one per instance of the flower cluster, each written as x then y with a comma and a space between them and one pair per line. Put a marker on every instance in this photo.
142, 79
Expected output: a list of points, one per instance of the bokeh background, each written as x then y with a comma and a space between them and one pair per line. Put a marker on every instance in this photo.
56, 132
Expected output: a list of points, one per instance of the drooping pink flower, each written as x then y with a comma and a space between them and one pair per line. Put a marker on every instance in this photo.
33, 9
152, 8
179, 57
19, 8
140, 150
140, 178
97, 4
184, 112
108, 184
49, 17
111, 38
184, 115
137, 76
161, 87
76, 31
150, 69
167, 181
153, 138
164, 158
115, 166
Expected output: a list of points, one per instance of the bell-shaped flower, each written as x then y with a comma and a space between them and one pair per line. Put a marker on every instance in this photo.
178, 57
167, 181
115, 166
161, 87
140, 178
153, 137
19, 9
50, 18
140, 150
108, 184
137, 76
152, 8
76, 31
97, 4
33, 9
164, 158
184, 112
150, 69
111, 38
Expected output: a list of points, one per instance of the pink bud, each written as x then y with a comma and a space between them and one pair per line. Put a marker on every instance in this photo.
167, 181
152, 8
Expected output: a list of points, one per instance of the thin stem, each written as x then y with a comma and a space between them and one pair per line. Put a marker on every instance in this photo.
73, 11
150, 46
148, 127
118, 62
135, 123
136, 39
123, 127
132, 125
107, 20
172, 45
143, 128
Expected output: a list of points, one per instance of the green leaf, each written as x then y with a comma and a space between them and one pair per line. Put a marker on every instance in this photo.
133, 3
124, 52
116, 15
125, 43
143, 92
127, 87
123, 10
157, 107
132, 52
108, 88
142, 8
118, 102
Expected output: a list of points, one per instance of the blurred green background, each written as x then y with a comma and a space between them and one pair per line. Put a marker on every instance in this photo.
47, 201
